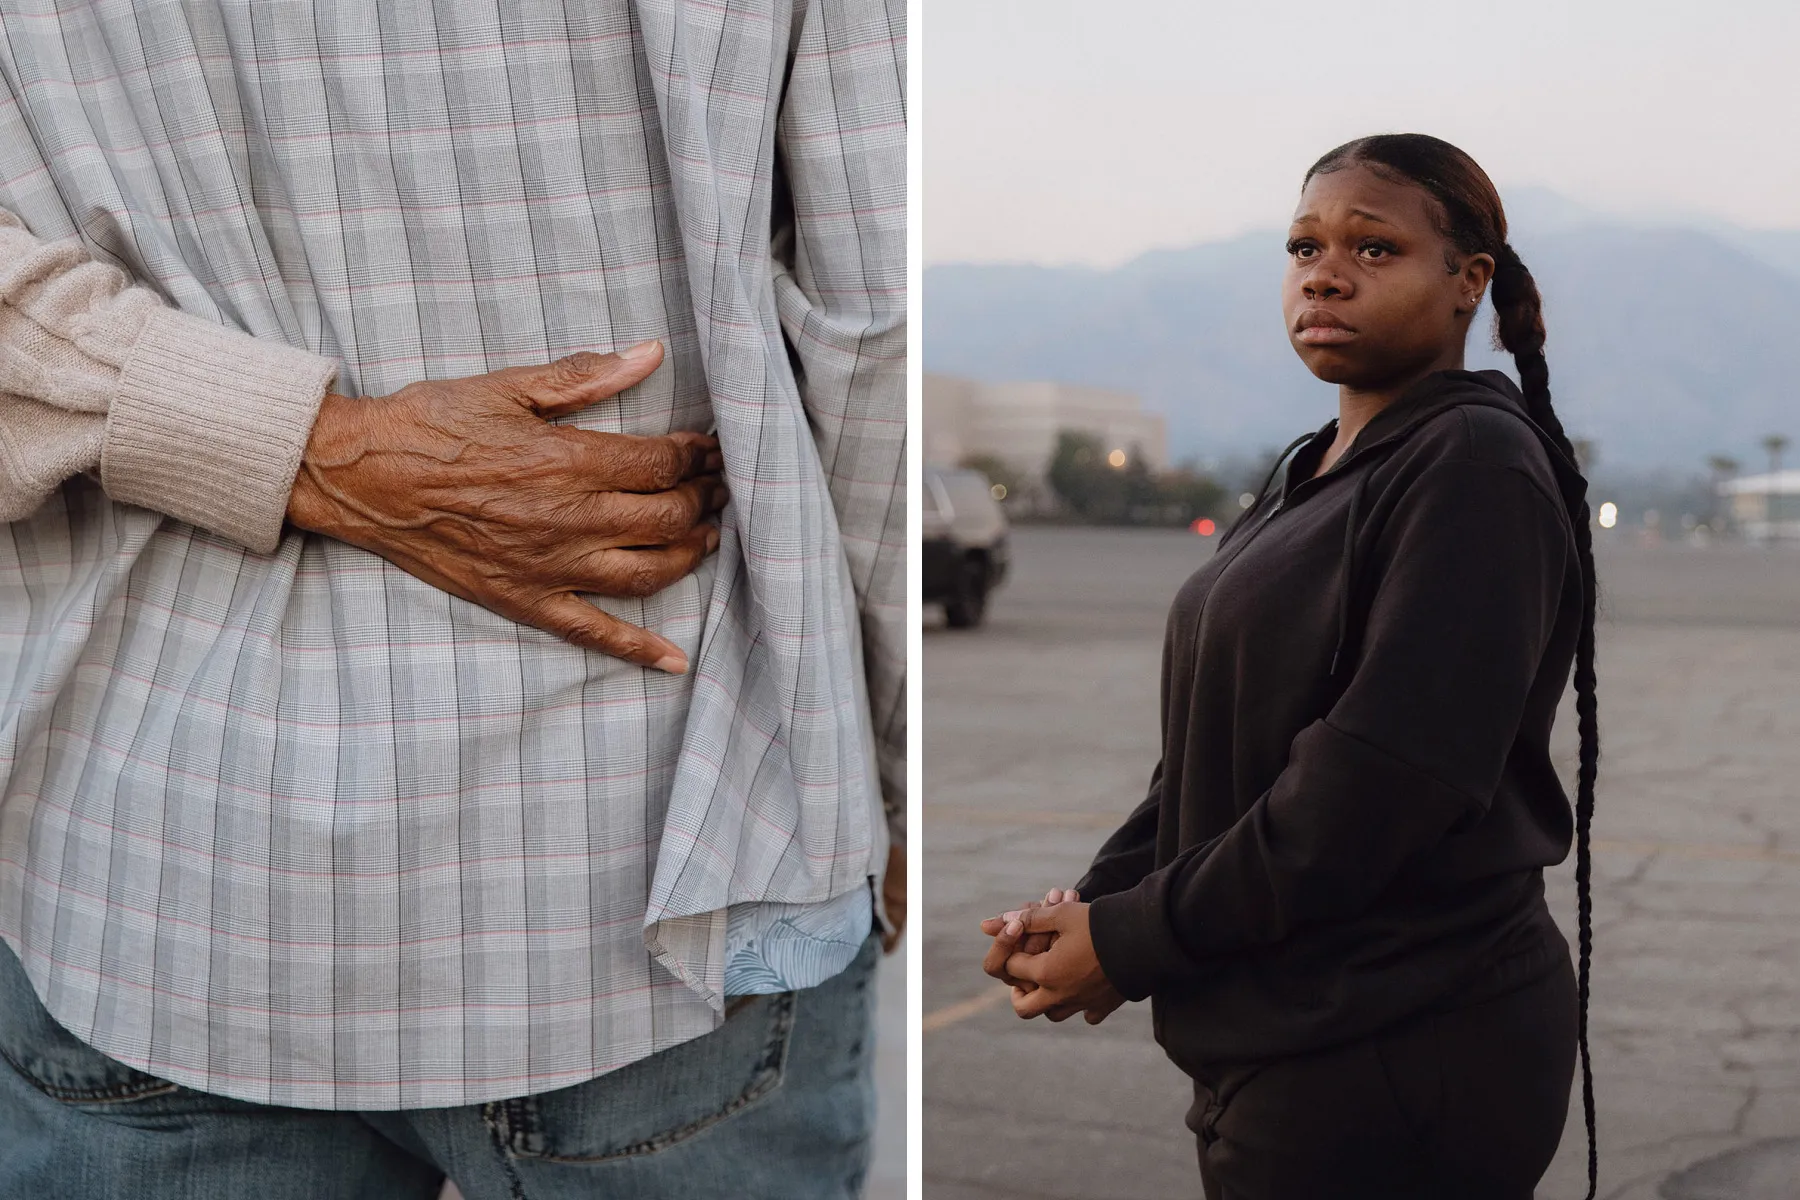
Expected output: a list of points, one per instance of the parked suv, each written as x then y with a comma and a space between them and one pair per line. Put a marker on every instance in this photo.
963, 544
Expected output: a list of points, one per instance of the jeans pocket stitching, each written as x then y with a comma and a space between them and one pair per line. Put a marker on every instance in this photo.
124, 1092
767, 1075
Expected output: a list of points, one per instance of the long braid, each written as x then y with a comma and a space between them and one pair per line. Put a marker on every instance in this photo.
1473, 221
1519, 328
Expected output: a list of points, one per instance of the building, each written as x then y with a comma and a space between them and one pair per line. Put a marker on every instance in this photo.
1018, 422
1765, 507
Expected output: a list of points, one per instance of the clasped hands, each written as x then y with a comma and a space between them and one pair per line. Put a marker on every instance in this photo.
1045, 953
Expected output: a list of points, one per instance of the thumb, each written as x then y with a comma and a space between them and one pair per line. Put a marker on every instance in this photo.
573, 382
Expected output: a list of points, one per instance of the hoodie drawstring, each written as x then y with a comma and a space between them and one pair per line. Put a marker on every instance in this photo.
1263, 491
1281, 458
1349, 559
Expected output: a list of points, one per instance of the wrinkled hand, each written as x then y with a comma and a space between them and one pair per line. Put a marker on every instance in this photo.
466, 485
893, 896
1067, 976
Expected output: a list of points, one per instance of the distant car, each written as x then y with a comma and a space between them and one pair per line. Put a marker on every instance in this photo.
963, 544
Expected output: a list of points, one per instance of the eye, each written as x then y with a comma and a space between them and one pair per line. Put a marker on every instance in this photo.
1296, 245
1380, 248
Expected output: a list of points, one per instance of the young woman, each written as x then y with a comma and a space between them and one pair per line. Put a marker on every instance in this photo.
1333, 893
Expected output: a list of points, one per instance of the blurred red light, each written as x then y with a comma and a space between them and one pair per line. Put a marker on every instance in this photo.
1204, 527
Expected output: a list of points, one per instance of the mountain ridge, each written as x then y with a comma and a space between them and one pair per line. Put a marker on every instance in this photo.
1667, 341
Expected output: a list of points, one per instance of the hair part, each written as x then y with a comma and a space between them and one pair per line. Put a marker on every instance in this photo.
1471, 219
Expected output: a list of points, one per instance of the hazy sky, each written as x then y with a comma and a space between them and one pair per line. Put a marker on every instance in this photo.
1065, 132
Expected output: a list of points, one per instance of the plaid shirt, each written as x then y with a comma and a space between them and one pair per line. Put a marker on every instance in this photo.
302, 829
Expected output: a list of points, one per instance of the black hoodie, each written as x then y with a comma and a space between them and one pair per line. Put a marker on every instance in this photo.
1356, 800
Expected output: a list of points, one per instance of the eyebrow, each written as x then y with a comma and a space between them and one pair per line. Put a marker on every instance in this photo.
1309, 218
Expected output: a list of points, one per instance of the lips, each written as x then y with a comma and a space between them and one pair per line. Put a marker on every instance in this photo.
1321, 327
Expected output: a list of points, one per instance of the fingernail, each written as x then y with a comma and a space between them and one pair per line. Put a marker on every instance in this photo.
640, 351
1014, 929
674, 664
712, 539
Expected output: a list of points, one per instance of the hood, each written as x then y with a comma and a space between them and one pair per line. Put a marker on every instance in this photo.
1424, 399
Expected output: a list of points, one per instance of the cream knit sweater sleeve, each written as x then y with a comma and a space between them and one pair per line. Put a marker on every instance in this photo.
178, 414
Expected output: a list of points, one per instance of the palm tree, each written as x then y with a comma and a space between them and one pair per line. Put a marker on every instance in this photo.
1775, 443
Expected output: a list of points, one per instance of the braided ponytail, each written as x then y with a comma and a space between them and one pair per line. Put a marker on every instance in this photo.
1519, 328
1473, 222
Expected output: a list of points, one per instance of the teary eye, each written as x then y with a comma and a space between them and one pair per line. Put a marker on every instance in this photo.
1296, 245
1383, 249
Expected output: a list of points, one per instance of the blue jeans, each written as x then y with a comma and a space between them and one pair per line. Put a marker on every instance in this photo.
776, 1104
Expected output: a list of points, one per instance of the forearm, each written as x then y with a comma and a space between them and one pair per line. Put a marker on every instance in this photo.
1130, 853
175, 413
210, 425
1320, 845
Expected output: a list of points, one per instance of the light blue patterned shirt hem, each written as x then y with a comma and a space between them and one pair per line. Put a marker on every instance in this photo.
782, 947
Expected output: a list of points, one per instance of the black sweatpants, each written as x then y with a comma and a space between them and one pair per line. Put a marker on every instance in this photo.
1466, 1104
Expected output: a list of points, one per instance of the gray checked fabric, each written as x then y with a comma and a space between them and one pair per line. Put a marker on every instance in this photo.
298, 827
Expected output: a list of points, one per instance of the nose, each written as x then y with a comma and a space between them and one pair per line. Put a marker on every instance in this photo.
1321, 278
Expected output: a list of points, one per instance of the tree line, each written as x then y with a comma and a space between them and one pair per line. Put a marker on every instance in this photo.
1084, 484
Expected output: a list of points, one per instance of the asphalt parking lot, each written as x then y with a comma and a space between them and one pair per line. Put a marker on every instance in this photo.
1039, 733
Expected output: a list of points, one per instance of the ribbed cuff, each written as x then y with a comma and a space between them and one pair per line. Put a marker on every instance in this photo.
209, 425
1133, 941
